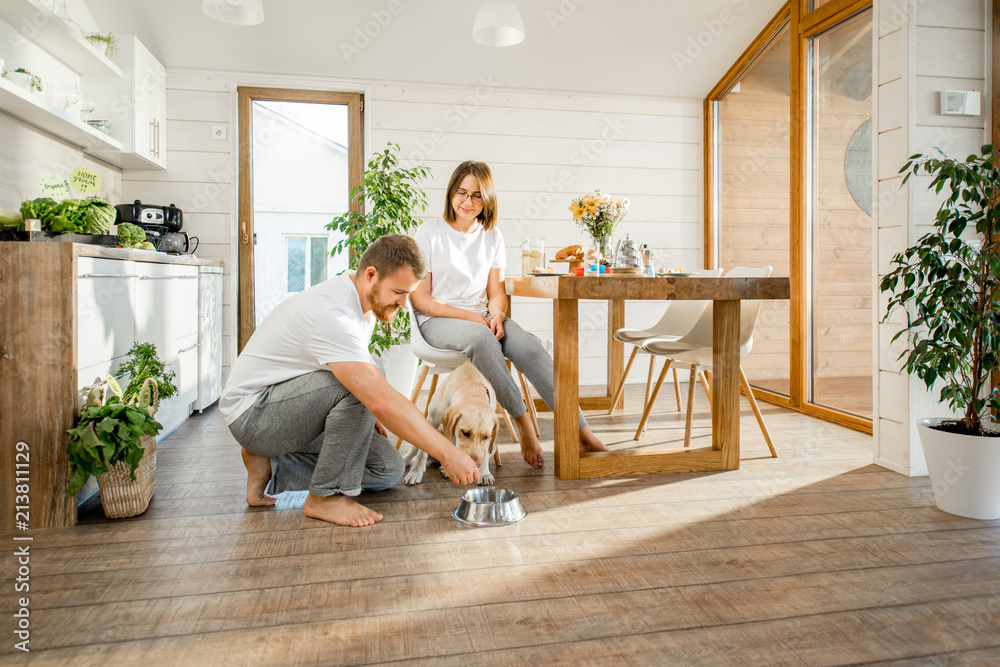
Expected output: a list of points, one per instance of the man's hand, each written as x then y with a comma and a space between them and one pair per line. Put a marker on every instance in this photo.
380, 429
460, 467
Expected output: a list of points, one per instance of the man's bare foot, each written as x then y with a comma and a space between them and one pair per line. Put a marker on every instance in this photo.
339, 509
589, 442
258, 475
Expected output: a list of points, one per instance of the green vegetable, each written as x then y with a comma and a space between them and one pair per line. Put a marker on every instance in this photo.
130, 236
10, 221
105, 435
143, 363
71, 216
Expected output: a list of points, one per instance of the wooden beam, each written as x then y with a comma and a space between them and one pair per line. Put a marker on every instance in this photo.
798, 210
828, 15
628, 463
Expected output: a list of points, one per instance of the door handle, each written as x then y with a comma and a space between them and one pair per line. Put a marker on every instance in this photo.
246, 238
188, 349
152, 138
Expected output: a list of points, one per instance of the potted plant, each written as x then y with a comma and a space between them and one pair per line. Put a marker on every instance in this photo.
948, 284
106, 44
116, 441
25, 79
387, 199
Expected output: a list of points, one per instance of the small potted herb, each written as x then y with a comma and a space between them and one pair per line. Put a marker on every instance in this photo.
24, 78
106, 44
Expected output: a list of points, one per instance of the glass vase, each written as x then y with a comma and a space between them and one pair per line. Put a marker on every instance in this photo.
603, 245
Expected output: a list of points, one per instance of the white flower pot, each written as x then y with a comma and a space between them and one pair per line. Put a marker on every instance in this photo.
400, 367
964, 471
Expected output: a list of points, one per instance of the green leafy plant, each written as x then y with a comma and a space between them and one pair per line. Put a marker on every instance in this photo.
109, 42
948, 284
107, 434
393, 199
140, 364
33, 80
71, 216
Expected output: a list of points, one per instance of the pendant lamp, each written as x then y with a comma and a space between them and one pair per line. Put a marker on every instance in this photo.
236, 12
498, 23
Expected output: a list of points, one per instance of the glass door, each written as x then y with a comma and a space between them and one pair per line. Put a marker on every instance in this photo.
300, 156
839, 227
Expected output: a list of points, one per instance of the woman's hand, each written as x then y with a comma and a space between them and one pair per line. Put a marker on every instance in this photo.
496, 326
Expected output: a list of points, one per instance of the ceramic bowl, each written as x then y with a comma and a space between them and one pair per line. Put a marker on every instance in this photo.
489, 506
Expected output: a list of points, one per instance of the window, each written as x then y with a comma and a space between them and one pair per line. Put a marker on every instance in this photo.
305, 261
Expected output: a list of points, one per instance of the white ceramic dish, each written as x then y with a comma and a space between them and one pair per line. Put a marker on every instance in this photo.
676, 274
540, 274
489, 506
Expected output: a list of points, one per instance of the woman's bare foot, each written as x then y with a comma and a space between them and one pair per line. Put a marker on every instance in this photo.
589, 441
339, 509
531, 449
258, 475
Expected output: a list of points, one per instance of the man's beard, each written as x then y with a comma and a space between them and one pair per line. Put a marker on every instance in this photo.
383, 311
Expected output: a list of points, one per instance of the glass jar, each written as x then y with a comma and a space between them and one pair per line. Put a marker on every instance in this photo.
532, 254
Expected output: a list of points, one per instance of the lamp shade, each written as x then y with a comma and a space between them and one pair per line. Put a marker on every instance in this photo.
236, 12
498, 23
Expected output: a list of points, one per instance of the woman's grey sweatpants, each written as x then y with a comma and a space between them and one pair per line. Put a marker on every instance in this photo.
489, 355
318, 436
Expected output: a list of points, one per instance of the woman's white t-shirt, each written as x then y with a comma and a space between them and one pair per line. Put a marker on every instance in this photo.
460, 263
304, 333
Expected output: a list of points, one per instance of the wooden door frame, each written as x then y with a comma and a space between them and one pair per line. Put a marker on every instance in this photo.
803, 24
245, 224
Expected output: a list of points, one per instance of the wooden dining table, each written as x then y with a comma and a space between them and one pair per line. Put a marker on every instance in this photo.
566, 293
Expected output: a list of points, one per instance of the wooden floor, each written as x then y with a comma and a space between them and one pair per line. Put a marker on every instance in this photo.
814, 558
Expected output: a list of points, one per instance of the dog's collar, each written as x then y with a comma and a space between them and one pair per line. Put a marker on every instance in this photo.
487, 390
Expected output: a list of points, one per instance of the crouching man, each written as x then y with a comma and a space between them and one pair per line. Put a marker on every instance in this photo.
306, 393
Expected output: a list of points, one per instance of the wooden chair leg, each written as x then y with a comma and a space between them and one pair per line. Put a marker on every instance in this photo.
652, 399
707, 386
528, 400
508, 422
415, 395
649, 379
430, 394
756, 412
621, 387
677, 390
687, 422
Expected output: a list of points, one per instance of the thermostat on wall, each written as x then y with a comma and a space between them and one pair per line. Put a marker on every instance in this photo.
959, 103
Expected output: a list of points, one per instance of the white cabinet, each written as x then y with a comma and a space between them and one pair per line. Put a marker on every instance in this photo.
166, 314
105, 290
136, 105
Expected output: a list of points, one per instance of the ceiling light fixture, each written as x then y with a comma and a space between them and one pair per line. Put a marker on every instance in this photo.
498, 23
236, 12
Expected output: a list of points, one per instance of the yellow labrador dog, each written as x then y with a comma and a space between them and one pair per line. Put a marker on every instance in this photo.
464, 409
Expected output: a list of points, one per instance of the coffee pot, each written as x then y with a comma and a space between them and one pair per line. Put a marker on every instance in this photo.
628, 254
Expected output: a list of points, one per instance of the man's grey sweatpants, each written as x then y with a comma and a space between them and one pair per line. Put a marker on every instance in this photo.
489, 355
318, 436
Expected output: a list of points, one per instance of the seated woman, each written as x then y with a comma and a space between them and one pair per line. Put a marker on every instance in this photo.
461, 303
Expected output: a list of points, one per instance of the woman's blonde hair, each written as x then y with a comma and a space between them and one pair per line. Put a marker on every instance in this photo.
488, 216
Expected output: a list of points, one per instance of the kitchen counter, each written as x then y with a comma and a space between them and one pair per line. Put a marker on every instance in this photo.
85, 250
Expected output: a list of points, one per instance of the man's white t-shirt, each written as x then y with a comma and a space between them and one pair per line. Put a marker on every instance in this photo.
304, 333
460, 263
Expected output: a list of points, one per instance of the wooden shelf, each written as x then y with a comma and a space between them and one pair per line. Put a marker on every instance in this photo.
57, 36
33, 110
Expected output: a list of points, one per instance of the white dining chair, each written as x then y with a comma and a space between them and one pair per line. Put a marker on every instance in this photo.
437, 362
695, 349
677, 320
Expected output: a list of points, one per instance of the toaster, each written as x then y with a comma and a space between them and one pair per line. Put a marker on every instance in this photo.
149, 215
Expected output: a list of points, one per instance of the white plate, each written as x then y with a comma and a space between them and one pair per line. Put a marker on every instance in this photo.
676, 274
549, 273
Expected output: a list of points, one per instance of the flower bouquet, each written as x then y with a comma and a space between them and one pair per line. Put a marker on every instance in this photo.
598, 214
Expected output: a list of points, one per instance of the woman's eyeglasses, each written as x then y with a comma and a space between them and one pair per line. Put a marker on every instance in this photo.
462, 195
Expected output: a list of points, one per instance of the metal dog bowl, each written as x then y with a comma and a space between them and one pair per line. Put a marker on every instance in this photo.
489, 506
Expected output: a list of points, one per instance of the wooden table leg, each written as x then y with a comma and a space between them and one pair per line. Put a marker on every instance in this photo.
726, 382
567, 388
616, 350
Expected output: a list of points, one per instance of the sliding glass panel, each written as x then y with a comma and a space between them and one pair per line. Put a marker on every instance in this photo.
752, 223
840, 222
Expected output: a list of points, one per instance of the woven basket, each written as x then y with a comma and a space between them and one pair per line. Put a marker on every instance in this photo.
121, 496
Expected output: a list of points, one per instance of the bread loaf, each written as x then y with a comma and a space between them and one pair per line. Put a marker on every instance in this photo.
570, 252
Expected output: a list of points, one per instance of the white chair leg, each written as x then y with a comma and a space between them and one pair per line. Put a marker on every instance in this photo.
756, 412
652, 399
687, 422
621, 387
414, 396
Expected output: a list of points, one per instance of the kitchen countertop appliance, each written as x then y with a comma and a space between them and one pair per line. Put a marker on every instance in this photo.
162, 224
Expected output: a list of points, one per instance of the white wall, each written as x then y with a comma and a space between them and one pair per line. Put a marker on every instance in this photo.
544, 148
921, 48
